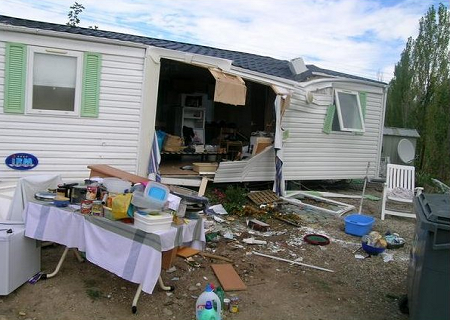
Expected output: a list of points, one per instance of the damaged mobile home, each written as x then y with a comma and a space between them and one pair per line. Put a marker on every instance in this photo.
71, 97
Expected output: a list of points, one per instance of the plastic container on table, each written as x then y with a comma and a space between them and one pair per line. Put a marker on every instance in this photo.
208, 295
146, 204
153, 222
358, 224
429, 262
157, 193
116, 185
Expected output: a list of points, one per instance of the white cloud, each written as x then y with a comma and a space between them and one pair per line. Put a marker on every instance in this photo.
355, 36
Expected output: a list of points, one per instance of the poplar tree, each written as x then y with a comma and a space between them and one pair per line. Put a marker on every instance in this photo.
419, 93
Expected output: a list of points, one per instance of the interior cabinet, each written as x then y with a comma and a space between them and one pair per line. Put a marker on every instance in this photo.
194, 115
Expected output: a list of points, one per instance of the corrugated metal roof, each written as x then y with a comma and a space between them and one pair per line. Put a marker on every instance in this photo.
253, 62
401, 132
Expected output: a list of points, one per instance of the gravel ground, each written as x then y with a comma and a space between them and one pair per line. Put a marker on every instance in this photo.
357, 289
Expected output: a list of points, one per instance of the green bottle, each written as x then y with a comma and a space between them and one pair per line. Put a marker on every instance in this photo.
221, 294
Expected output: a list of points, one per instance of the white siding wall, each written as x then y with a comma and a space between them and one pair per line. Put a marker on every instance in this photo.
310, 154
66, 145
258, 168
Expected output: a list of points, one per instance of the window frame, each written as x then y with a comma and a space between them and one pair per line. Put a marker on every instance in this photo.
30, 74
339, 112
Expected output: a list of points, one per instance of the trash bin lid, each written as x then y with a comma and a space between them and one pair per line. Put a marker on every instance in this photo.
435, 207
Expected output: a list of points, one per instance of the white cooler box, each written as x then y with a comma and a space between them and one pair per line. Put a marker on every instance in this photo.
153, 222
20, 257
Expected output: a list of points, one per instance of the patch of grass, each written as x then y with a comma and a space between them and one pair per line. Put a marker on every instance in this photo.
94, 293
92, 290
423, 179
392, 296
90, 282
323, 284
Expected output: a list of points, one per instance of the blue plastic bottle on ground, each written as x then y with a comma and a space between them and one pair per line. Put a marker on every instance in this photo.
208, 313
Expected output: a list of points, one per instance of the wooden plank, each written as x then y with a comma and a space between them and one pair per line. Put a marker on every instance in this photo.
103, 170
175, 169
228, 277
261, 197
202, 189
186, 252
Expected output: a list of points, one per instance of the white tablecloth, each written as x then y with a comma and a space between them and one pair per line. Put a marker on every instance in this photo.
130, 253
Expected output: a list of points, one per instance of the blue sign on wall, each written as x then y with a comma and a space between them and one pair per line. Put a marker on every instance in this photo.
21, 161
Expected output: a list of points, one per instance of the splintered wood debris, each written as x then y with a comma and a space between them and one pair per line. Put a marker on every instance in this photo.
262, 197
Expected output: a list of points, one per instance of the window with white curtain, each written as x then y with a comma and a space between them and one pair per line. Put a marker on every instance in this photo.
54, 81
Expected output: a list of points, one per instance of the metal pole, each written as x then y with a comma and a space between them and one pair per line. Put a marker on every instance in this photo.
364, 188
290, 261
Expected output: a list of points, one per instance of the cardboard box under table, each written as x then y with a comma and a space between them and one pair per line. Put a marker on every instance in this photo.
120, 248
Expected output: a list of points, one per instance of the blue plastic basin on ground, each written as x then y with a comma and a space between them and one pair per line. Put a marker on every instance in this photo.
371, 250
358, 224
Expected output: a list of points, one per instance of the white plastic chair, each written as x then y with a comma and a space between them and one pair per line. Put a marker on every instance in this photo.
400, 188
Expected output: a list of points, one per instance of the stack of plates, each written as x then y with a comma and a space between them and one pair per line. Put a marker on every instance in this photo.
45, 196
153, 222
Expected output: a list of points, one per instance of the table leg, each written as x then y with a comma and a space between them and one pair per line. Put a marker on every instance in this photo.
139, 290
60, 262
78, 256
163, 286
136, 298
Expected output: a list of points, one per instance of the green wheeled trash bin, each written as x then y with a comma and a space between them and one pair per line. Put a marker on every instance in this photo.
429, 263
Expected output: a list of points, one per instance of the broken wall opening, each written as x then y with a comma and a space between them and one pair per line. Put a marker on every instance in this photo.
186, 101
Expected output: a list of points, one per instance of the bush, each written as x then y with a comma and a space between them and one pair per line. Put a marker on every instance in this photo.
232, 198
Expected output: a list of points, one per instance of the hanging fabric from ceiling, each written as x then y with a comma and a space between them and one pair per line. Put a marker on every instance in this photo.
281, 104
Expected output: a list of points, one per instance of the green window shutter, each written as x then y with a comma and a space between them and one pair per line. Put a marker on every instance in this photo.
363, 101
15, 77
91, 84
328, 123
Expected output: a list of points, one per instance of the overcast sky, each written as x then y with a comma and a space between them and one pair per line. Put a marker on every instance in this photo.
361, 37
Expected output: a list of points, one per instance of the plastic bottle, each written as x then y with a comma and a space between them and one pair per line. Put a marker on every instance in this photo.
221, 294
208, 295
208, 313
